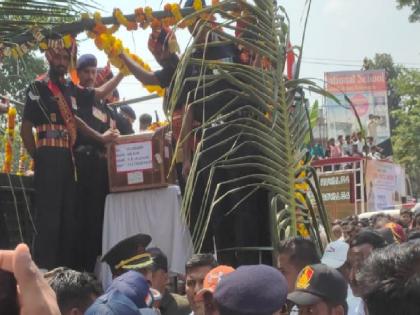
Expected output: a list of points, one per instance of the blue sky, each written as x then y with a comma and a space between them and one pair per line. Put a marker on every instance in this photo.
340, 34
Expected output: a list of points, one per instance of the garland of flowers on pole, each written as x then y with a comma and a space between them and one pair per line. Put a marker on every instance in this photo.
9, 138
144, 19
23, 157
299, 188
113, 47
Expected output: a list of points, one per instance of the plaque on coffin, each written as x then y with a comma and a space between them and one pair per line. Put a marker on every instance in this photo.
137, 162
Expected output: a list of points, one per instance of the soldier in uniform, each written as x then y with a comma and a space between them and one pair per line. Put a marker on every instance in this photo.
91, 164
130, 254
50, 104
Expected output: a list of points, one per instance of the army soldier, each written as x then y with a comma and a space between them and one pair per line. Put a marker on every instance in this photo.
130, 254
91, 164
50, 105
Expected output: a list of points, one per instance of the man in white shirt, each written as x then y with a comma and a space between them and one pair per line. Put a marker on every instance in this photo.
335, 256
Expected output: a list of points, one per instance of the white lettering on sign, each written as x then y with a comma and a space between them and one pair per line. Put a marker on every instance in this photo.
334, 180
336, 196
134, 156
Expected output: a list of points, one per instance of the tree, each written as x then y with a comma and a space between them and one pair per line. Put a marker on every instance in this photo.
414, 6
15, 75
19, 16
385, 61
406, 137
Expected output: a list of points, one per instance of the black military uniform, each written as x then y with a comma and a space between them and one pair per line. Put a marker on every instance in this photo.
54, 178
248, 225
129, 254
92, 182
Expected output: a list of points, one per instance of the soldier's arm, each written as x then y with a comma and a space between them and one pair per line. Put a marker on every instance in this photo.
107, 88
144, 76
107, 137
28, 137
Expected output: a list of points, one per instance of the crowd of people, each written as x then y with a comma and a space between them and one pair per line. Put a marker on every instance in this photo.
350, 145
370, 268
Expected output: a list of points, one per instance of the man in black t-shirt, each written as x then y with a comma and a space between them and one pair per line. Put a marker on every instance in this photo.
50, 104
246, 226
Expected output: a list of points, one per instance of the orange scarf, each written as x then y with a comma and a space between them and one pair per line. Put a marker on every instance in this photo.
65, 112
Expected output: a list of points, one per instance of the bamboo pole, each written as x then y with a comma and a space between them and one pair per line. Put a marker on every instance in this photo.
87, 24
134, 100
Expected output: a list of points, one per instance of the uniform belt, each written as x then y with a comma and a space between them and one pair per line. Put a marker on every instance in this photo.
90, 150
50, 135
53, 134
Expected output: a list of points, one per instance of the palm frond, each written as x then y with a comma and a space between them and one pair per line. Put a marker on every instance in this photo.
19, 16
255, 139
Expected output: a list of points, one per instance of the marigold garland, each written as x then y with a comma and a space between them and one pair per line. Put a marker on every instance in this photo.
154, 126
23, 157
121, 19
9, 138
299, 188
113, 47
197, 5
144, 19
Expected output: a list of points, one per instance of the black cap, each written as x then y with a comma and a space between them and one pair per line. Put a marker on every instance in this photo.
319, 282
368, 237
129, 254
257, 289
129, 111
160, 261
87, 60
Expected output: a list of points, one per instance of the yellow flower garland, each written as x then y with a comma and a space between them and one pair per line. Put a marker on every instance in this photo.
301, 228
197, 5
121, 19
113, 47
22, 159
10, 135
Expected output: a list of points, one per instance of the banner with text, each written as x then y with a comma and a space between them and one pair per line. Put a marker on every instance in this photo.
385, 185
367, 90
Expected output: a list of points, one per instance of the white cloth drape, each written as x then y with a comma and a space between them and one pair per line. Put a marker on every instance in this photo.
155, 212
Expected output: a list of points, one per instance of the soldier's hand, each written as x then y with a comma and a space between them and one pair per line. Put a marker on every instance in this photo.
110, 135
186, 168
35, 295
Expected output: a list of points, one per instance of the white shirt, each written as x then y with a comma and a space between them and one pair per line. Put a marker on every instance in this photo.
355, 304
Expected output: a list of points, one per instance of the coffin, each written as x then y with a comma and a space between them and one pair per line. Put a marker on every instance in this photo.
137, 162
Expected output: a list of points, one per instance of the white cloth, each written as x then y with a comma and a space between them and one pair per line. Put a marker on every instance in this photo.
155, 212
355, 304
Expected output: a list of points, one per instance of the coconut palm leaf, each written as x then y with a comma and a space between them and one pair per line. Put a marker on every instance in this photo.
255, 139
